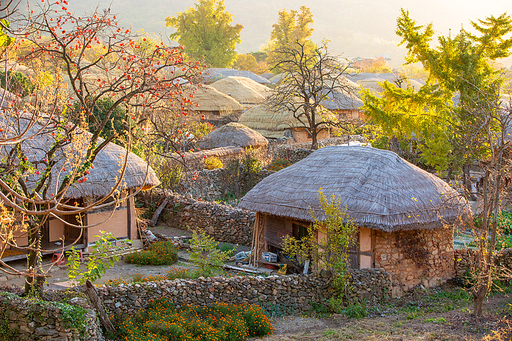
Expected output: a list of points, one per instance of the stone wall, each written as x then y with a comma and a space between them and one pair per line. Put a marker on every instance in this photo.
212, 185
222, 222
295, 292
34, 320
464, 257
415, 257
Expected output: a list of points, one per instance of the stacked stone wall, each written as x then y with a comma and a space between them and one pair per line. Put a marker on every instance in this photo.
295, 292
465, 257
32, 320
415, 257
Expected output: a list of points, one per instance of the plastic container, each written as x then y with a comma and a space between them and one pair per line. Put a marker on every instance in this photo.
269, 257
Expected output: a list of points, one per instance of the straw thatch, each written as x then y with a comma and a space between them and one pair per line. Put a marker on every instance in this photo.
270, 122
341, 100
209, 99
233, 134
379, 189
100, 180
244, 90
215, 74
6, 98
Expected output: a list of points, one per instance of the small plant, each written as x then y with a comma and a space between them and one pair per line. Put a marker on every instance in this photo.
163, 321
159, 253
357, 310
205, 252
439, 320
213, 163
278, 164
102, 257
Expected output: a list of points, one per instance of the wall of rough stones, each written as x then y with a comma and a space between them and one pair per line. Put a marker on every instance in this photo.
222, 222
40, 321
295, 292
464, 257
415, 257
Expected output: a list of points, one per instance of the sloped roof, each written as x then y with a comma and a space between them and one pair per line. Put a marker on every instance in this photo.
215, 74
209, 99
244, 90
100, 179
233, 134
379, 189
270, 122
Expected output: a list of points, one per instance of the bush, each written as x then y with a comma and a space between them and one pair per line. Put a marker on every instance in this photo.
17, 83
213, 163
159, 253
355, 310
278, 164
219, 322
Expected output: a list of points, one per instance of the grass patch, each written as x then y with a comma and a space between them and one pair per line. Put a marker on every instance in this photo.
219, 322
159, 253
172, 274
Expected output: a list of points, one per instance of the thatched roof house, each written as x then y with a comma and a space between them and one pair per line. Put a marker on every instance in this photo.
273, 123
244, 90
402, 211
233, 134
215, 74
102, 177
210, 101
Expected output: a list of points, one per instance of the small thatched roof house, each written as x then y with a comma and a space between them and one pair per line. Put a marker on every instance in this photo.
233, 134
404, 213
101, 178
273, 123
215, 74
210, 101
244, 90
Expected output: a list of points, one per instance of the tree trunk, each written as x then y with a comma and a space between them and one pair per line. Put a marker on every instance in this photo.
34, 284
466, 180
158, 211
98, 306
314, 140
479, 300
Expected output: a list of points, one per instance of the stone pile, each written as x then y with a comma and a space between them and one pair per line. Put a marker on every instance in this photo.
35, 320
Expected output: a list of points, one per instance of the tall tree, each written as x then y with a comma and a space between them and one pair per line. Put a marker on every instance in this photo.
310, 77
34, 181
206, 32
291, 27
459, 68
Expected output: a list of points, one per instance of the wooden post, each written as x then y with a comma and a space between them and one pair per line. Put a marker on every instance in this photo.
96, 303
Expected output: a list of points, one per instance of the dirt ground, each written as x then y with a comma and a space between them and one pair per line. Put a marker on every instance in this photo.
455, 324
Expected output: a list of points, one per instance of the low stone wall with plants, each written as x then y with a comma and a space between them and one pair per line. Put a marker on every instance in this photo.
293, 294
465, 257
33, 320
224, 223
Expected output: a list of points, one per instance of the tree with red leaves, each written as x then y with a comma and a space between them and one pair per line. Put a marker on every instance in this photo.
78, 64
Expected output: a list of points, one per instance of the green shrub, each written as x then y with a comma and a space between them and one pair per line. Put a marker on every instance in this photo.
278, 164
159, 253
355, 310
17, 83
205, 252
219, 322
212, 163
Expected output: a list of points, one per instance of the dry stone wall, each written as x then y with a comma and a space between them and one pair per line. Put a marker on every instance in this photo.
465, 257
32, 320
295, 292
224, 223
415, 257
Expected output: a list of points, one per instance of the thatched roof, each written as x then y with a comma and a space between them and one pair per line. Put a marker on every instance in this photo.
100, 179
6, 98
270, 122
341, 100
209, 99
214, 74
244, 90
379, 189
233, 134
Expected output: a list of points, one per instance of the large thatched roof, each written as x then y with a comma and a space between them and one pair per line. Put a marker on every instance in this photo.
209, 99
233, 134
100, 180
214, 74
379, 189
270, 122
244, 90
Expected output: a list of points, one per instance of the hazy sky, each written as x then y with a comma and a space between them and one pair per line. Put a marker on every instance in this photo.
364, 28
